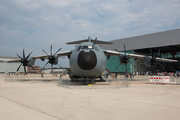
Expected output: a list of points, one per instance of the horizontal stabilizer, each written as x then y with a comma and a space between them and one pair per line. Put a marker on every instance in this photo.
86, 40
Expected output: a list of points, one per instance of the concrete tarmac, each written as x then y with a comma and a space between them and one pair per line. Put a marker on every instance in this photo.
48, 101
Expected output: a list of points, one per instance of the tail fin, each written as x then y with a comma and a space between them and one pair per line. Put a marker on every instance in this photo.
89, 38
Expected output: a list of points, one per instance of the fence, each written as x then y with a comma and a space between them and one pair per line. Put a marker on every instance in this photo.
112, 83
33, 78
80, 83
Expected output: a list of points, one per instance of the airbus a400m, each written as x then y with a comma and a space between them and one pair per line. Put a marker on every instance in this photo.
87, 60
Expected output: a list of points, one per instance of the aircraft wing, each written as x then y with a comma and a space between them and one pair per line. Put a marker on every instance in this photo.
166, 60
66, 53
115, 53
9, 60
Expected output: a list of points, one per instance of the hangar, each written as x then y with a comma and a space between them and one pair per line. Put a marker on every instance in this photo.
168, 42
9, 67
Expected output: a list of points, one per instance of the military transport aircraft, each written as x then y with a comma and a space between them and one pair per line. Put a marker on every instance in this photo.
87, 60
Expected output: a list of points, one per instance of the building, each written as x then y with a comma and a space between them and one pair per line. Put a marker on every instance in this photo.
168, 42
6, 67
34, 69
9, 67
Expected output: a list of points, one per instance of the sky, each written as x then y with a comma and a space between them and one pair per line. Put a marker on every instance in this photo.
36, 24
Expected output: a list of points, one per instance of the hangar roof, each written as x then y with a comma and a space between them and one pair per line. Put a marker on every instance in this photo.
166, 41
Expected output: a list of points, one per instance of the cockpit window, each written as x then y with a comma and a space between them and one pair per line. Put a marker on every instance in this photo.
86, 47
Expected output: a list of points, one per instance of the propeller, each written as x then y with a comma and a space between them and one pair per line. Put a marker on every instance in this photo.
24, 61
124, 58
51, 57
153, 60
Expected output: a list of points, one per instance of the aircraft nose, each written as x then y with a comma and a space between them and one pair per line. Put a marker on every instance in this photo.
87, 60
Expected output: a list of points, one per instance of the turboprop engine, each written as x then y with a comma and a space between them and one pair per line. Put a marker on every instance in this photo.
151, 60
25, 61
123, 58
52, 58
31, 61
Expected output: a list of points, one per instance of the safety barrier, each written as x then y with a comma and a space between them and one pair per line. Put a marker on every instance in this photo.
159, 79
120, 81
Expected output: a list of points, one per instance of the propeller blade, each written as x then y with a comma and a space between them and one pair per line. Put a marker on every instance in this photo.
116, 50
131, 51
148, 68
160, 64
52, 68
129, 61
152, 53
118, 66
149, 58
25, 69
28, 55
45, 64
57, 51
124, 49
32, 67
23, 54
157, 53
51, 50
19, 56
19, 67
45, 52
60, 66
126, 68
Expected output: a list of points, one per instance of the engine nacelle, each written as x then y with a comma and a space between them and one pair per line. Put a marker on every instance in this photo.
147, 61
150, 62
56, 59
123, 58
31, 61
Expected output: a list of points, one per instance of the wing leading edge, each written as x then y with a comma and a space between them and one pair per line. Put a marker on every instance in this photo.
66, 53
114, 53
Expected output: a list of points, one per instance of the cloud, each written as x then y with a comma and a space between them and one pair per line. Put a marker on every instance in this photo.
36, 24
